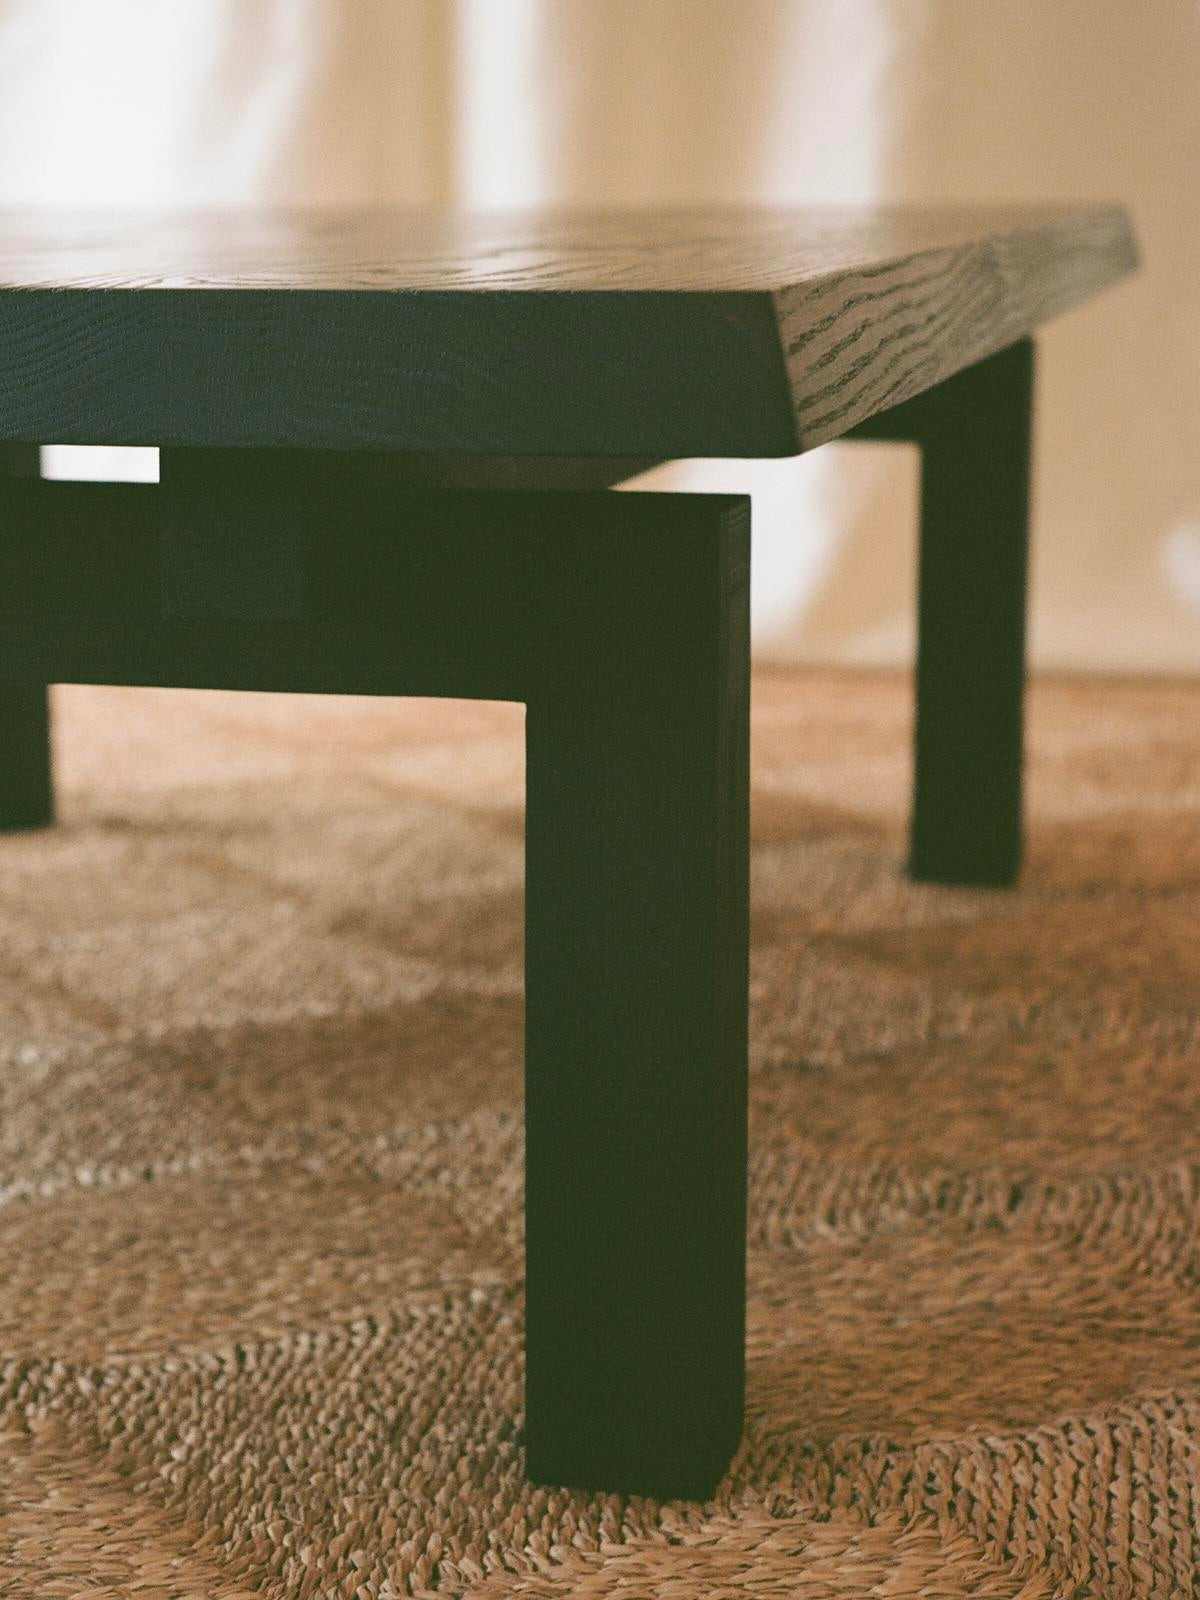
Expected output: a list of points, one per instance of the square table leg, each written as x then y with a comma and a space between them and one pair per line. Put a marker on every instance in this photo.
636, 989
973, 431
975, 463
26, 786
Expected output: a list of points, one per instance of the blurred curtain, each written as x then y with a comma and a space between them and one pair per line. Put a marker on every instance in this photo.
511, 102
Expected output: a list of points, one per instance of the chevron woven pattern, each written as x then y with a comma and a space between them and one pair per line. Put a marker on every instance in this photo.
260, 1169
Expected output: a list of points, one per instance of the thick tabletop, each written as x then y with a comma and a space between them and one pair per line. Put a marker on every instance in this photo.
735, 332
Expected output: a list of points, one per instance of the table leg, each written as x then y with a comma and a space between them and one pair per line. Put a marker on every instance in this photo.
973, 431
967, 802
26, 786
622, 620
636, 992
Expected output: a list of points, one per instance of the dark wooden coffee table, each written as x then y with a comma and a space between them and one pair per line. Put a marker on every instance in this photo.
384, 441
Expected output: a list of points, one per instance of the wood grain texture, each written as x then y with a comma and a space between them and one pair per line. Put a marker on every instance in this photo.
865, 337
639, 334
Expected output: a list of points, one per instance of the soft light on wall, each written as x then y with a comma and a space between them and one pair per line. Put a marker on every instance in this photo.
510, 102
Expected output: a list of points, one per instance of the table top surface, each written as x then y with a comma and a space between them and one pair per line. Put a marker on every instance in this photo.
726, 331
711, 250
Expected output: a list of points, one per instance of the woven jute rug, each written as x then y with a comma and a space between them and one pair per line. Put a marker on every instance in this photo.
260, 1169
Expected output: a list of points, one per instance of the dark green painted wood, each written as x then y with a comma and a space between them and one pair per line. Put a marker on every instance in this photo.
636, 985
26, 779
622, 621
974, 433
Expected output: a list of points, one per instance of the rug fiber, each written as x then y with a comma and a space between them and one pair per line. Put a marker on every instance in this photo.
260, 1169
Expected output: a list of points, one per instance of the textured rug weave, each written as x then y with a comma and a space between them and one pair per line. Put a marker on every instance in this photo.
260, 1169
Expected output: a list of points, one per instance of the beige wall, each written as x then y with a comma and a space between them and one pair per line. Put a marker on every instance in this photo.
1073, 99
516, 101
